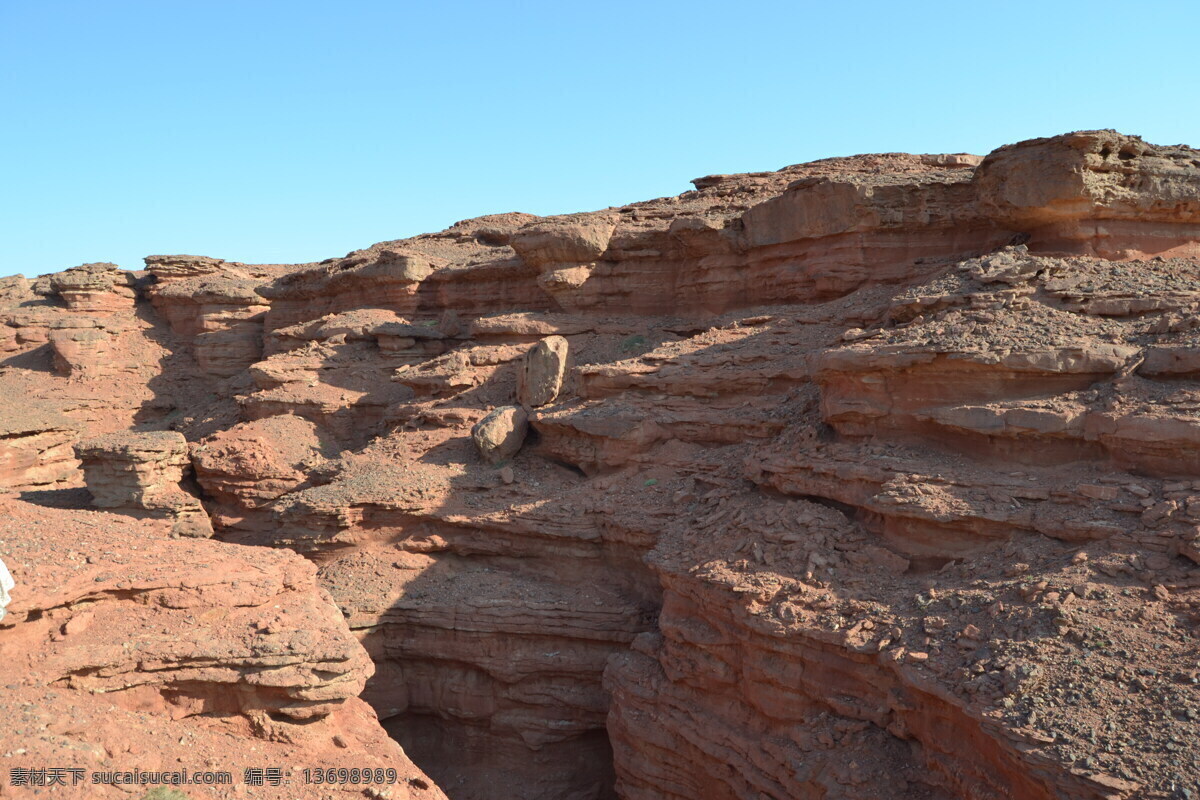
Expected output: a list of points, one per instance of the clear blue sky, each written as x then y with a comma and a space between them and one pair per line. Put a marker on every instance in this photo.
270, 131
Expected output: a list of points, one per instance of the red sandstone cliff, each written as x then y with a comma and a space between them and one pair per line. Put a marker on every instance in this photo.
874, 477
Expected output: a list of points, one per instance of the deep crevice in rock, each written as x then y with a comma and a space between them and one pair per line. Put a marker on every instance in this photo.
468, 762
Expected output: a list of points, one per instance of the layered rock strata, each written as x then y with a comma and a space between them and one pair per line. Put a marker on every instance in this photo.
118, 662
870, 477
142, 472
35, 446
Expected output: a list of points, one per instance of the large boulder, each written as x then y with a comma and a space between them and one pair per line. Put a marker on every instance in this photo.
501, 433
142, 472
541, 377
570, 240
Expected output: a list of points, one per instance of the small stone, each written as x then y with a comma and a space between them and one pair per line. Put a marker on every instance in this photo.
1098, 492
506, 475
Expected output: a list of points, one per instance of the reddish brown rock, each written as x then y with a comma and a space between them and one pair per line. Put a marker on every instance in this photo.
119, 663
35, 445
142, 472
563, 241
542, 372
870, 477
222, 315
94, 287
167, 268
387, 278
501, 433
1096, 192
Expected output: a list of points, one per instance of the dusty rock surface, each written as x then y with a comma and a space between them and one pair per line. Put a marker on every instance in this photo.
127, 650
874, 477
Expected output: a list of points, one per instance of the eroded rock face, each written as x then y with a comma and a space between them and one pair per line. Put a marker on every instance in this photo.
94, 287
142, 472
217, 305
386, 277
567, 240
35, 446
113, 652
1097, 193
870, 477
165, 267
